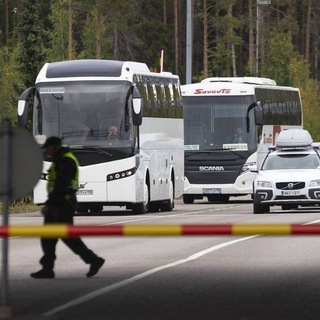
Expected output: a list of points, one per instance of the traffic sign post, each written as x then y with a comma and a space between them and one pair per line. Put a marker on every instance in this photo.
20, 169
5, 197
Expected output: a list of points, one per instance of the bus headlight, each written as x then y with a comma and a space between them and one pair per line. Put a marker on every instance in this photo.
245, 167
121, 174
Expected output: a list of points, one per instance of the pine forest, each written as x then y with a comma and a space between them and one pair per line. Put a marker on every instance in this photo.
277, 39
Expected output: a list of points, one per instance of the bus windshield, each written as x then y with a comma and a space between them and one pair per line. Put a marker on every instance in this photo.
89, 114
218, 123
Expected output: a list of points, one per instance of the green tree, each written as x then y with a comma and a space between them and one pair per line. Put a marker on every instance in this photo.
281, 53
10, 84
299, 72
223, 38
31, 31
92, 39
151, 35
58, 49
112, 25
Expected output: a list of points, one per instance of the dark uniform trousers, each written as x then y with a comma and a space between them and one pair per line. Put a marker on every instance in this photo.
63, 213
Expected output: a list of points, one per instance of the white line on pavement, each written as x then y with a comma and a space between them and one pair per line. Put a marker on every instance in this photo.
140, 276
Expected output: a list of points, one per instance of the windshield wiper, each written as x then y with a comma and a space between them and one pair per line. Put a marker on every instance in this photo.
202, 151
103, 151
212, 150
237, 153
92, 149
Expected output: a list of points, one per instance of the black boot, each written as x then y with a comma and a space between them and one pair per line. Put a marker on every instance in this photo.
95, 266
43, 274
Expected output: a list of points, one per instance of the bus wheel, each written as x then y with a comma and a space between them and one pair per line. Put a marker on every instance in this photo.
96, 208
82, 208
154, 207
142, 207
188, 199
168, 205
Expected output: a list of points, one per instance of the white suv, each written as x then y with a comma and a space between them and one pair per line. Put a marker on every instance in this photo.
289, 176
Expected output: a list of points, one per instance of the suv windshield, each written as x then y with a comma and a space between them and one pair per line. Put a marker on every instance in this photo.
291, 161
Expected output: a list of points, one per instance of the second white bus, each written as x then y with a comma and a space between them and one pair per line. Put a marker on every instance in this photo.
226, 121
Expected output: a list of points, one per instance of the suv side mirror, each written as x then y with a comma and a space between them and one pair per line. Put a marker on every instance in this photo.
253, 168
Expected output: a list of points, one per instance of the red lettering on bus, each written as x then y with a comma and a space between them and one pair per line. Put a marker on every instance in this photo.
220, 91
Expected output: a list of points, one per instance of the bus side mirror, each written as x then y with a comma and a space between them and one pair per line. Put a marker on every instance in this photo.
136, 107
23, 107
258, 113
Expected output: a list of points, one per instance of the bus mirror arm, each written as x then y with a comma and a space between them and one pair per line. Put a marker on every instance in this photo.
257, 114
23, 107
247, 115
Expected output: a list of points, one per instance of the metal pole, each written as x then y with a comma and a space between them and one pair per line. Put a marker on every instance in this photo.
161, 62
258, 26
6, 133
257, 42
189, 43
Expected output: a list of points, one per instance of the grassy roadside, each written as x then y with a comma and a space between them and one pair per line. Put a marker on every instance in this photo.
22, 206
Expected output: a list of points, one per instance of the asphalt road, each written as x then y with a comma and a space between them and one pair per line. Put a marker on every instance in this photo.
204, 277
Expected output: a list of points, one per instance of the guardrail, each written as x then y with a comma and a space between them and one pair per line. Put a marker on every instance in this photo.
65, 231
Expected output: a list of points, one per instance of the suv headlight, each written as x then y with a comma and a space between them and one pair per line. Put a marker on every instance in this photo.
245, 167
314, 183
264, 184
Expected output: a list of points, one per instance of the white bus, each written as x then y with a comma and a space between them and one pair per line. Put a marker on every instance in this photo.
81, 101
225, 121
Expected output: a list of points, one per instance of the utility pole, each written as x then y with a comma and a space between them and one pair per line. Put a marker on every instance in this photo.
189, 43
259, 3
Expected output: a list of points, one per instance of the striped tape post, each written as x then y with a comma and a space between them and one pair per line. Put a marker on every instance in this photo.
65, 231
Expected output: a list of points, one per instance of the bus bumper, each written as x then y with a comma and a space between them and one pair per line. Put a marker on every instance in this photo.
242, 186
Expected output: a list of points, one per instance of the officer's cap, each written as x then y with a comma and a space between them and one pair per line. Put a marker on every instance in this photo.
52, 141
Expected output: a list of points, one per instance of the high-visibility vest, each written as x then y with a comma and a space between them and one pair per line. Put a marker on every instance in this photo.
74, 183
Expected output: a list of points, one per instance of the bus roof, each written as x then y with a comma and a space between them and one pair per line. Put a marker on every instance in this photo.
248, 80
238, 86
91, 69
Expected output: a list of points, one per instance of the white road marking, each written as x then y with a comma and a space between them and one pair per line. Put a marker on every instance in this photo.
172, 215
140, 276
312, 222
125, 282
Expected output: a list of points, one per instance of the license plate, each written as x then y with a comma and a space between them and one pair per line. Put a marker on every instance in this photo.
211, 190
85, 192
290, 193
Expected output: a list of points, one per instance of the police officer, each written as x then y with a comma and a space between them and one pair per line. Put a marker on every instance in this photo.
60, 208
